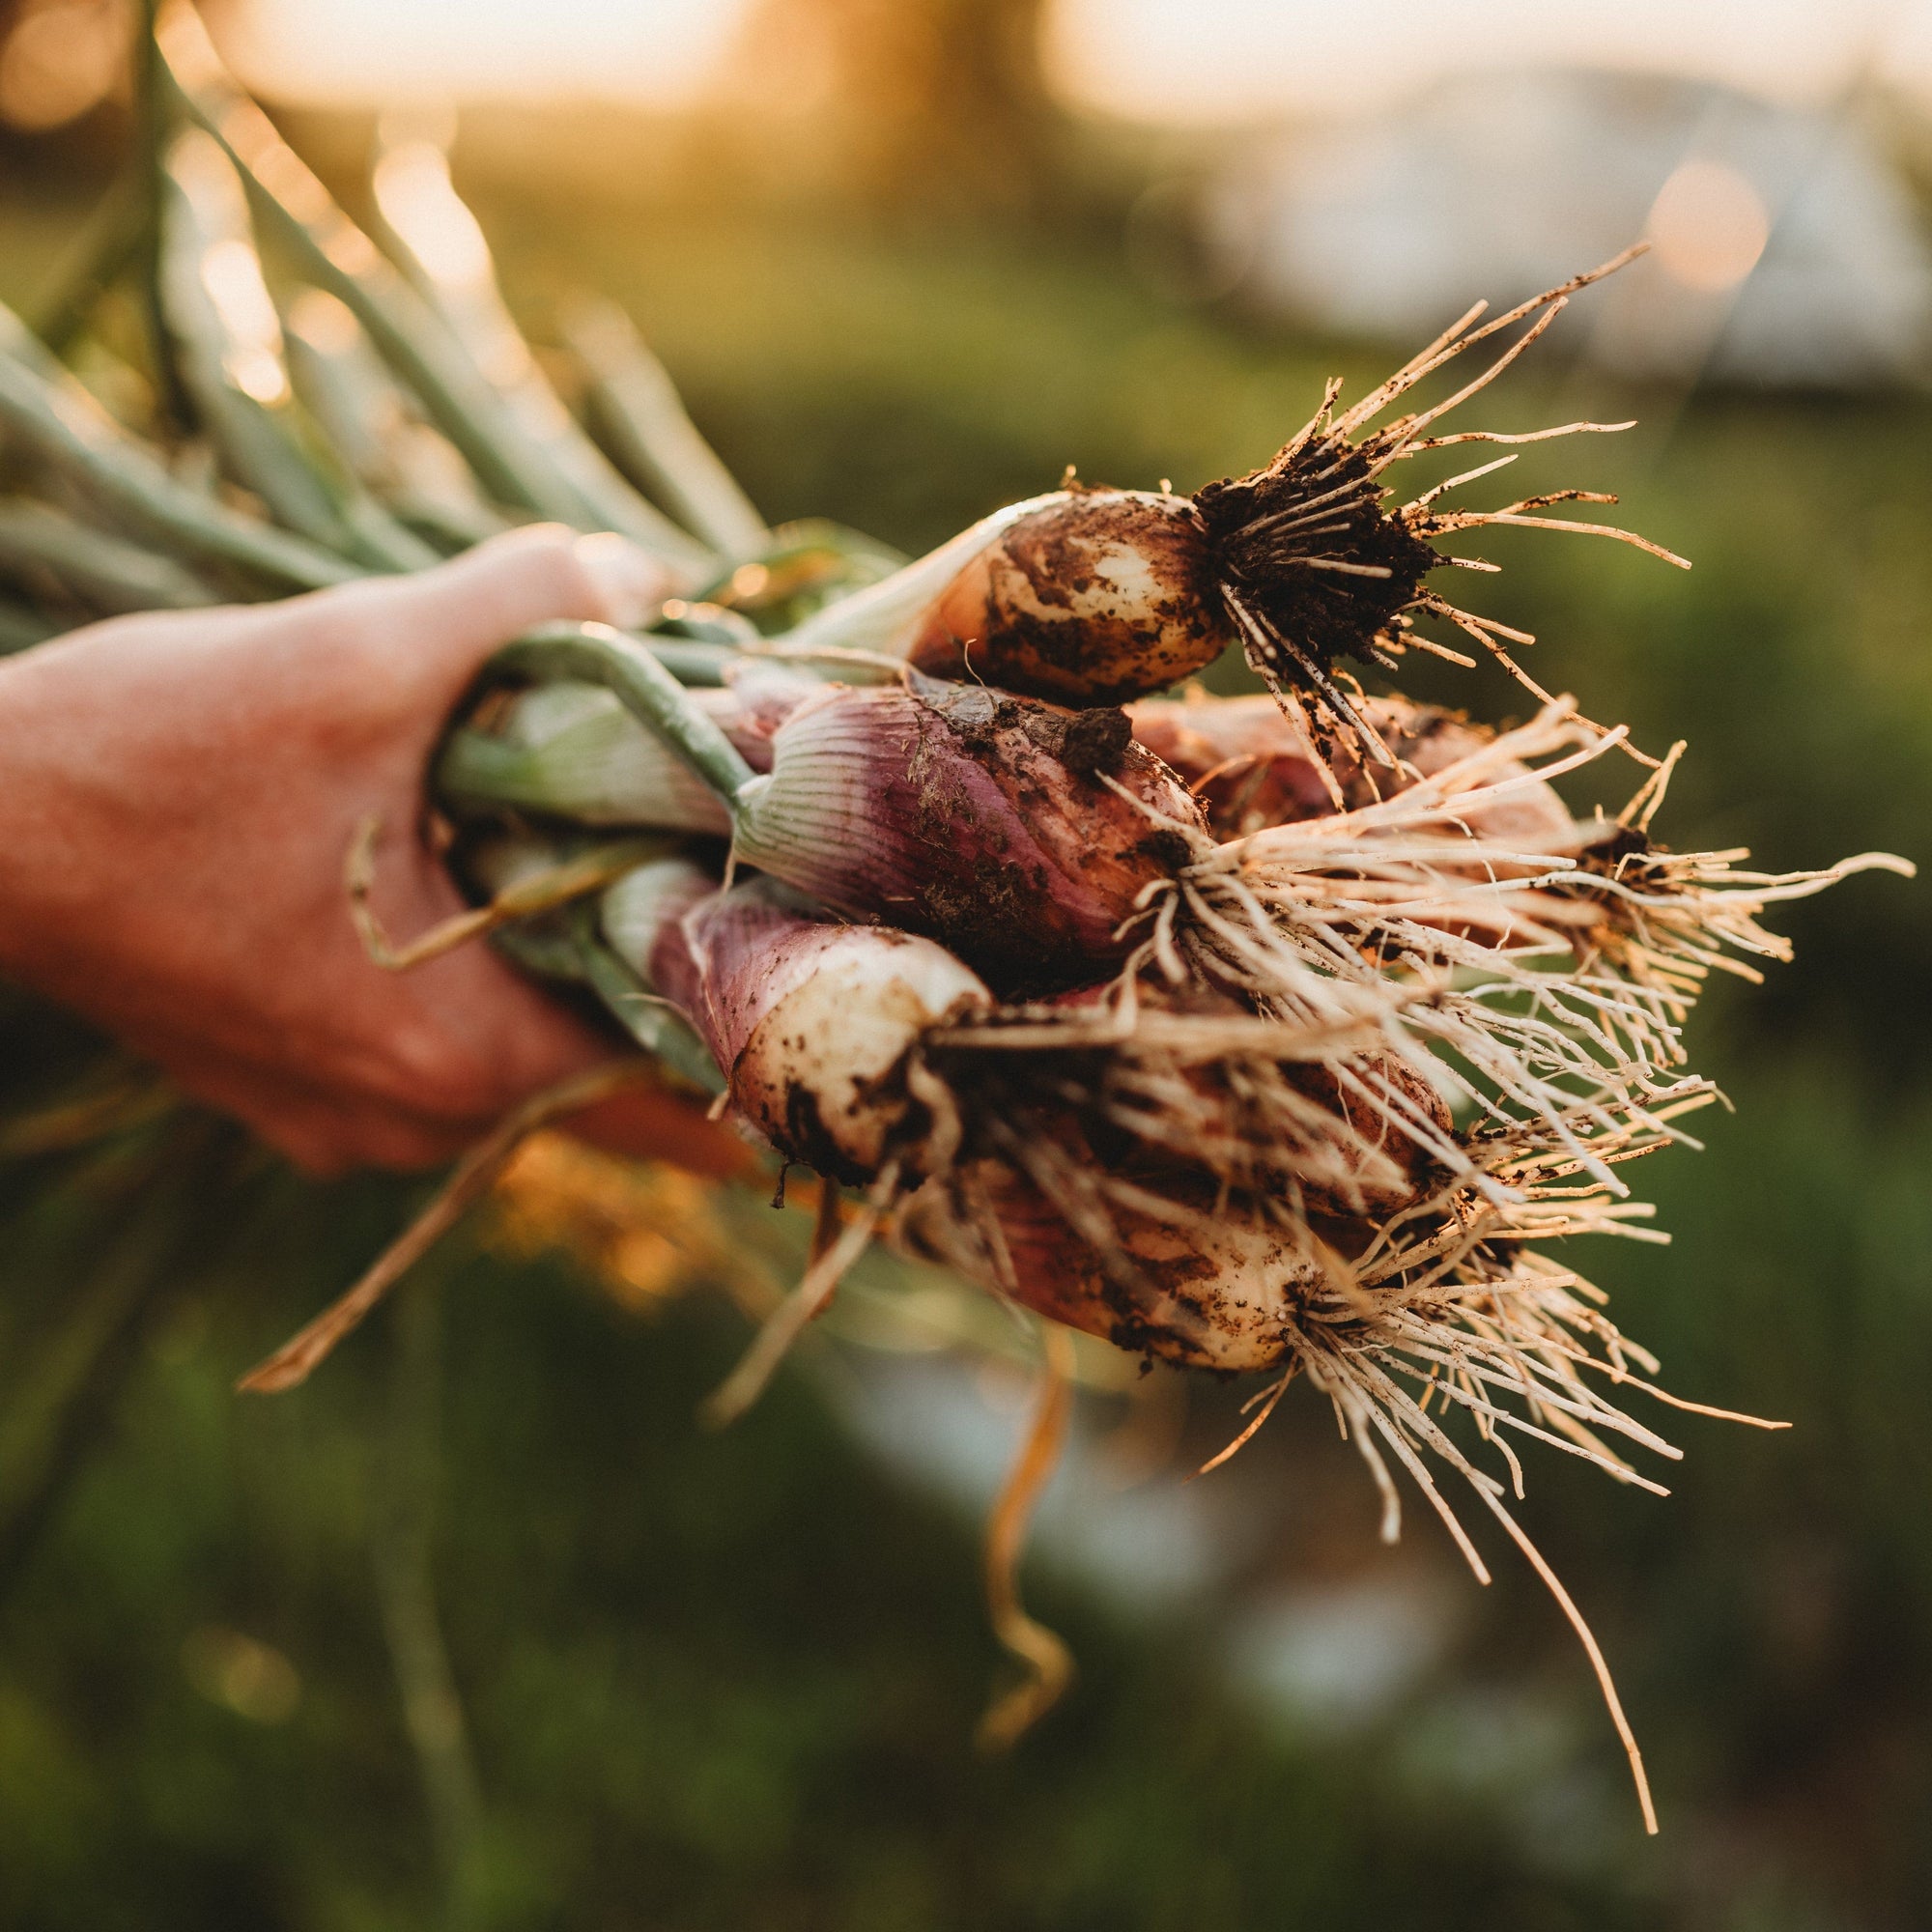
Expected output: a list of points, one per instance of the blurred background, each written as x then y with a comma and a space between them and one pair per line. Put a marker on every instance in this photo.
482, 1628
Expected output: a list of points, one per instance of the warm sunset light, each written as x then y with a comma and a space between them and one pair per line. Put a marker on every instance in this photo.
1159, 60
420, 205
657, 52
1215, 60
855, 864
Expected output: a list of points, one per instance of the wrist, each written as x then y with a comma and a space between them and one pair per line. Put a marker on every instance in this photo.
71, 805
30, 815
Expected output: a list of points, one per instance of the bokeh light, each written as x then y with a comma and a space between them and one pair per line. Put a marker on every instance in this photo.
1222, 60
63, 59
1709, 226
356, 51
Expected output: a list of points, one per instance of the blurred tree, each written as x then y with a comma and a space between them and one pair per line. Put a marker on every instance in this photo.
916, 102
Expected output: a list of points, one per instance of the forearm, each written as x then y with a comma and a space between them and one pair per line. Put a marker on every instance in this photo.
178, 794
111, 769
58, 852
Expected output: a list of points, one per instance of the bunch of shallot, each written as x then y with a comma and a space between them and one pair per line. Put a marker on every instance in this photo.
1280, 1034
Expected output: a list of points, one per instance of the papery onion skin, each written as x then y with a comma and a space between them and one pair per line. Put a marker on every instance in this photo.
1532, 816
1103, 596
988, 822
1217, 1293
1359, 1144
813, 1021
1250, 765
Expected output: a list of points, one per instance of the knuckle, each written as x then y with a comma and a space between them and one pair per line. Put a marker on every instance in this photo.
441, 1078
406, 1145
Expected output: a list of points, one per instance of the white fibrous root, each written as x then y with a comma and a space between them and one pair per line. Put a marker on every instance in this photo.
1549, 980
1665, 918
1252, 764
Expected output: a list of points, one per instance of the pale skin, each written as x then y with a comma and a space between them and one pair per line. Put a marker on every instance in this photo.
181, 789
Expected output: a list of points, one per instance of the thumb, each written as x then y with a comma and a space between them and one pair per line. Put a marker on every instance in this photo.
445, 621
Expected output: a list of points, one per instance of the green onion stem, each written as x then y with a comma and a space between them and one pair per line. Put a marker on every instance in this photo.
48, 410
364, 412
342, 381
567, 941
599, 655
107, 245
155, 123
107, 572
227, 355
303, 214
658, 1027
642, 414
338, 255
544, 951
419, 214
694, 663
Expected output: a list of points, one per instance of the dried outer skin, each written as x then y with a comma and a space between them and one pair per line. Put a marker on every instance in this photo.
1215, 1292
1365, 1162
974, 817
1252, 765
642, 911
1248, 762
1104, 596
757, 699
1432, 739
813, 1022
1373, 1139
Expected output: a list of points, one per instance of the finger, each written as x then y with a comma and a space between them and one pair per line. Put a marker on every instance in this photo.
316, 1130
648, 1124
440, 624
541, 572
467, 1038
326, 1149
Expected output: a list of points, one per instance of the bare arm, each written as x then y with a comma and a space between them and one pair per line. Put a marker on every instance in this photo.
177, 794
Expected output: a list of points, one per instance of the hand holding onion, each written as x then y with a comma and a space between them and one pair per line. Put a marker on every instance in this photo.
182, 787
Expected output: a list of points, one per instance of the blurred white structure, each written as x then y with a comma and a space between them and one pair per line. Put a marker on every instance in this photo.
1786, 248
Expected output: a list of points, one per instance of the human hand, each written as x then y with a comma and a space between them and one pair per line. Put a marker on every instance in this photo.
180, 791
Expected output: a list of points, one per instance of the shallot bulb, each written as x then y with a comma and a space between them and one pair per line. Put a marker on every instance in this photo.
1253, 765
1173, 1277
1107, 1165
1102, 595
814, 1024
1099, 597
1019, 834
